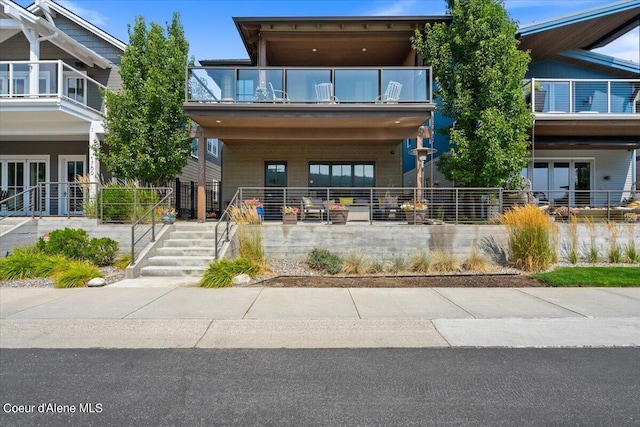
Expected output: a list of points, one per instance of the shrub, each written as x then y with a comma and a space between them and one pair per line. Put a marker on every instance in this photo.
376, 266
102, 251
572, 251
592, 251
531, 238
116, 202
122, 261
220, 273
355, 263
475, 262
250, 244
615, 252
323, 260
420, 262
48, 265
70, 242
444, 262
398, 265
21, 264
76, 273
244, 214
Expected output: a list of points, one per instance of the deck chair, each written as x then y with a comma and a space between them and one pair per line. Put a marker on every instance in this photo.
392, 94
313, 208
324, 93
278, 95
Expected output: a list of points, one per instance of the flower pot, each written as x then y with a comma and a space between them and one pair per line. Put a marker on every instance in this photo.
415, 217
290, 218
338, 216
168, 219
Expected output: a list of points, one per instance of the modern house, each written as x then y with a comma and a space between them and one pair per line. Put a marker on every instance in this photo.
53, 67
586, 134
321, 102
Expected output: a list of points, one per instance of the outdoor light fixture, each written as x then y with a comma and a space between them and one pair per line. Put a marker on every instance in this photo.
422, 153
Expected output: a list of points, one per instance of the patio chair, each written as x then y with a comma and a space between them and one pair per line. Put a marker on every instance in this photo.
313, 208
392, 94
324, 93
278, 95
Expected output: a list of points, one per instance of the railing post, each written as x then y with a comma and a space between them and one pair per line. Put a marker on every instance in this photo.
215, 241
133, 244
457, 205
178, 193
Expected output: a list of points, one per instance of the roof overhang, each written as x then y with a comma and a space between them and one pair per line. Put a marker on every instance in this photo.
327, 41
585, 30
587, 125
309, 122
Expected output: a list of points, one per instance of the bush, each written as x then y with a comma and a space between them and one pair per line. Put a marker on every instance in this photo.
325, 261
122, 261
420, 262
220, 273
444, 262
530, 238
355, 263
116, 202
76, 273
21, 264
70, 242
475, 262
102, 251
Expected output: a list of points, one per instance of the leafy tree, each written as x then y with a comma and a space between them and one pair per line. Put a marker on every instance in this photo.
147, 131
479, 73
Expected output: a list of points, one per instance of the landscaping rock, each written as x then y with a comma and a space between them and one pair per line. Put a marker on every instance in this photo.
96, 282
242, 279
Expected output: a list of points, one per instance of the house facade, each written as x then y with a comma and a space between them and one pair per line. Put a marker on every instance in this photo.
53, 67
586, 134
322, 102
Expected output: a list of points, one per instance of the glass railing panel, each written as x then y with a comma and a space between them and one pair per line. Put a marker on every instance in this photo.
556, 95
415, 83
260, 85
212, 84
356, 85
301, 84
21, 81
623, 95
590, 97
4, 79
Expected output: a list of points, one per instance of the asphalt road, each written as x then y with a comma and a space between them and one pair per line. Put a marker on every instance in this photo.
394, 387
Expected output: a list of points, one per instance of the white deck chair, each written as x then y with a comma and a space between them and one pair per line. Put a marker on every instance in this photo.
278, 95
391, 94
324, 93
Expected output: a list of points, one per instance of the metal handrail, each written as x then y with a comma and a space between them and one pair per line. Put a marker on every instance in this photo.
223, 237
152, 229
5, 213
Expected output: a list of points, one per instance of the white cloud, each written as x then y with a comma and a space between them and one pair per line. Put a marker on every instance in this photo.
626, 47
89, 15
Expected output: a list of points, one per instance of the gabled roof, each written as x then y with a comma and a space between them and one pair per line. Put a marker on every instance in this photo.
45, 27
35, 8
583, 30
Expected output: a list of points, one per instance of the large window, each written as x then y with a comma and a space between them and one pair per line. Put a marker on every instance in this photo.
341, 174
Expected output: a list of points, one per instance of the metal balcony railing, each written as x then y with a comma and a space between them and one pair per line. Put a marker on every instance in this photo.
49, 79
584, 96
299, 85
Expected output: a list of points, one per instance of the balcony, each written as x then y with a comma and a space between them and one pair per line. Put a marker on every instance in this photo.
585, 107
49, 85
276, 104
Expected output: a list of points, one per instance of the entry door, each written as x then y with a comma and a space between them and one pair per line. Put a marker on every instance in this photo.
275, 178
38, 174
15, 185
582, 181
71, 194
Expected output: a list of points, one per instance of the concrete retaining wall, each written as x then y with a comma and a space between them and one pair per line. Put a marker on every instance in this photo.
383, 241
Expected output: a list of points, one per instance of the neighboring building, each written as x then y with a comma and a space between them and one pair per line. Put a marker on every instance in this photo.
317, 105
53, 66
586, 105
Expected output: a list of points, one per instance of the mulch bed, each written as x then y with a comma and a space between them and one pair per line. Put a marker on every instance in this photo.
439, 281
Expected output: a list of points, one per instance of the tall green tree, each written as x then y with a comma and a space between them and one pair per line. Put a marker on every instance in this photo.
147, 131
479, 73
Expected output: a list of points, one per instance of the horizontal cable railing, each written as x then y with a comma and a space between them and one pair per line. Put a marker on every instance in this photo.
584, 96
449, 205
309, 85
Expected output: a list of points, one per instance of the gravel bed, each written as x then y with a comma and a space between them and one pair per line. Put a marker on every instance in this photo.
110, 273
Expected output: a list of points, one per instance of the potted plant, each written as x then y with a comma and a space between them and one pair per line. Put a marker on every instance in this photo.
257, 204
338, 213
167, 215
289, 214
414, 211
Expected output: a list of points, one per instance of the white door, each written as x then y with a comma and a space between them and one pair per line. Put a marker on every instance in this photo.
71, 193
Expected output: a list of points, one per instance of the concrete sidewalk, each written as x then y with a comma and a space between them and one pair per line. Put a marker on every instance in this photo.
166, 314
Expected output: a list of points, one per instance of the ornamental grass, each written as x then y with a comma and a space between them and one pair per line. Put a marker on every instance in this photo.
532, 238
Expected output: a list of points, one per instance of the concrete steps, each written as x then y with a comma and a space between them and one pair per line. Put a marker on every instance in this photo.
188, 251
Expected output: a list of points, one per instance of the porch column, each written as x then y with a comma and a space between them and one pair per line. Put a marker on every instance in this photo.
94, 164
196, 132
34, 56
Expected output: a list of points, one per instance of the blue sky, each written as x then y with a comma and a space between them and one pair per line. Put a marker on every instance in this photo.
211, 33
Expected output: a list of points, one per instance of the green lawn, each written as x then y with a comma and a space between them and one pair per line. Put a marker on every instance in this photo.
591, 276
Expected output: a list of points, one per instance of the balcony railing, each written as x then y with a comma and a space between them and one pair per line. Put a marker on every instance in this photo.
49, 79
299, 85
582, 96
